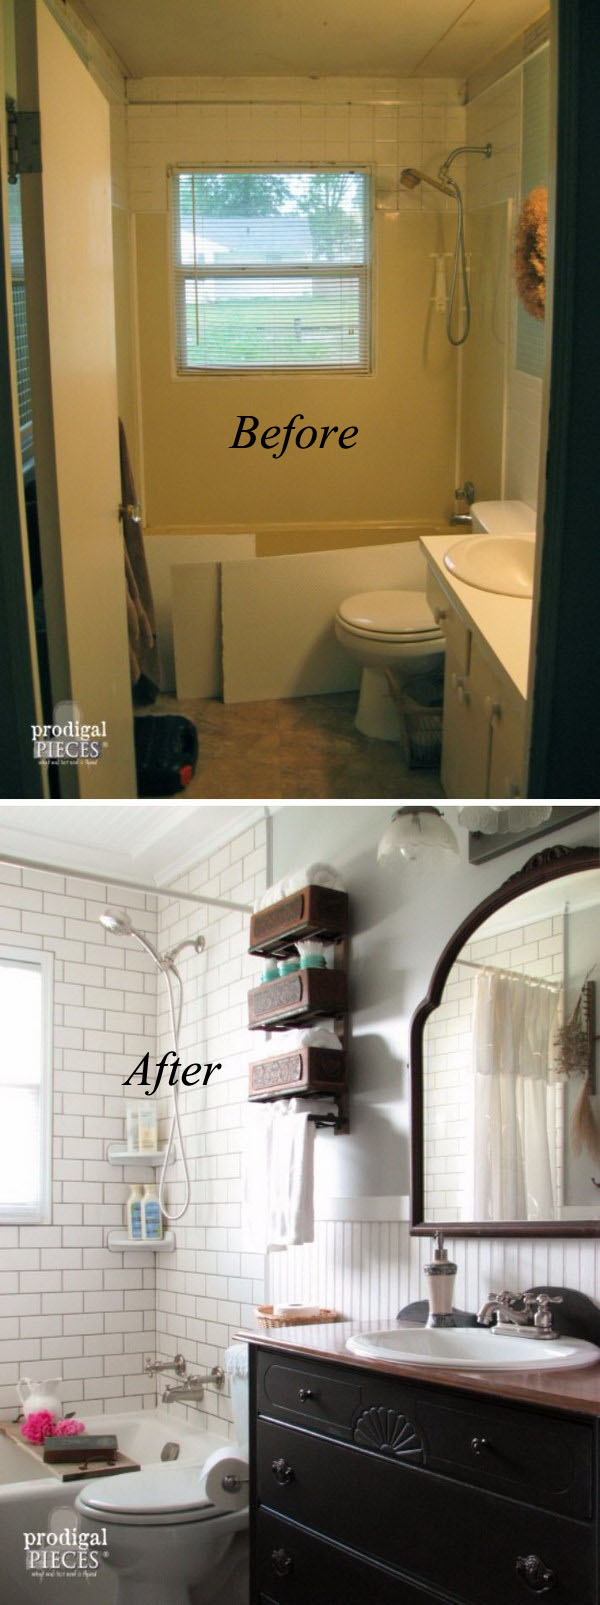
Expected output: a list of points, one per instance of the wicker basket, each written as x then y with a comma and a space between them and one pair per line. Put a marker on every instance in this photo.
266, 1318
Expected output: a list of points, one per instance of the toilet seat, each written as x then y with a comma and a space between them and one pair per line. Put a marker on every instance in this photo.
381, 615
153, 1497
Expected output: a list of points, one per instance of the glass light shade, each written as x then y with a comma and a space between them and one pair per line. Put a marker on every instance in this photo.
501, 821
417, 836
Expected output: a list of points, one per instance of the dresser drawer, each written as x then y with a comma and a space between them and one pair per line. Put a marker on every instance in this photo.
424, 1525
294, 1567
542, 1459
302, 1393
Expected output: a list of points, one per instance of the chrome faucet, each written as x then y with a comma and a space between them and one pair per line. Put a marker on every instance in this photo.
532, 1320
192, 1387
178, 1365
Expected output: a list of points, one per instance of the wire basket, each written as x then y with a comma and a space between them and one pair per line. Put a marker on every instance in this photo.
421, 713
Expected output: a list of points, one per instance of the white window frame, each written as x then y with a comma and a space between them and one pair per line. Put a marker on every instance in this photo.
44, 962
365, 270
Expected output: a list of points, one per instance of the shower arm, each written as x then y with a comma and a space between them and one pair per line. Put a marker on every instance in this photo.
461, 150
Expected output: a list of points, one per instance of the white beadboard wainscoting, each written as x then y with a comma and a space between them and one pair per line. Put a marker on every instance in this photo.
367, 1268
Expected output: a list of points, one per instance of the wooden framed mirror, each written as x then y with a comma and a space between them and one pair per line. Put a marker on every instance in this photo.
505, 1075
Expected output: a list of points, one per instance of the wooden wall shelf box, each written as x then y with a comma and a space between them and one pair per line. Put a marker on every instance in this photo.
307, 1070
301, 997
314, 912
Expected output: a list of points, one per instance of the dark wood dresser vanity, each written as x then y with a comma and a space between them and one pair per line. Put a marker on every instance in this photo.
394, 1485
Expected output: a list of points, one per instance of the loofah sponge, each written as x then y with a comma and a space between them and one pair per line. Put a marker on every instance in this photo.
530, 252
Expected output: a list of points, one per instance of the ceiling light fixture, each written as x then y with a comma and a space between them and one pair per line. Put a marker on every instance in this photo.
417, 836
503, 821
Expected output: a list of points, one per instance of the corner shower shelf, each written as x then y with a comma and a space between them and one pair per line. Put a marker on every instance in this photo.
118, 1242
116, 1154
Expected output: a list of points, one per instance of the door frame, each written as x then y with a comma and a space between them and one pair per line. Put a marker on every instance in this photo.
563, 758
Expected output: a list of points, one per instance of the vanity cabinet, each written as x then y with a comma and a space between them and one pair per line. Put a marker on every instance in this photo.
483, 739
373, 1488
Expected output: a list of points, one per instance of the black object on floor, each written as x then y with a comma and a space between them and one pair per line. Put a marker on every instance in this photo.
166, 748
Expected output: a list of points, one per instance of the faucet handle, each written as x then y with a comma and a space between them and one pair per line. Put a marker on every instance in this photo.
543, 1314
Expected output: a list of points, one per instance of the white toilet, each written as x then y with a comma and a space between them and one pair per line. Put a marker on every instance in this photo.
503, 518
163, 1536
387, 630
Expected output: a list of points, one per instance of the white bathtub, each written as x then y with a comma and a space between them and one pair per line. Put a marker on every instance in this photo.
31, 1499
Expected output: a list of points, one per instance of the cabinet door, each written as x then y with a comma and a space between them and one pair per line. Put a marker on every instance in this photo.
466, 733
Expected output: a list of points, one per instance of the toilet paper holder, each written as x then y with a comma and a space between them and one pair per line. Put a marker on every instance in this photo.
232, 1484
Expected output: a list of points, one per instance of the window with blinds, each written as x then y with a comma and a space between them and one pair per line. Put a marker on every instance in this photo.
25, 1084
271, 270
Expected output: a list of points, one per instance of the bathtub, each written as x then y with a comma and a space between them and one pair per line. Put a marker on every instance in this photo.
31, 1499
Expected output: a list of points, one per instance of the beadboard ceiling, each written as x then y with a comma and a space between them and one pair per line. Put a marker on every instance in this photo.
140, 841
230, 38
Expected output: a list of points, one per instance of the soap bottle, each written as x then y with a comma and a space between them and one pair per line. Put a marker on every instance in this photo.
133, 1136
134, 1212
441, 1274
148, 1129
152, 1221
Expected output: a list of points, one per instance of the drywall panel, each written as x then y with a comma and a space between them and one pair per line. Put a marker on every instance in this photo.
165, 552
196, 629
278, 613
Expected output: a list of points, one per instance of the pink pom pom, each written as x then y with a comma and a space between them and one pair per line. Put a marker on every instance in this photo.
39, 1425
68, 1428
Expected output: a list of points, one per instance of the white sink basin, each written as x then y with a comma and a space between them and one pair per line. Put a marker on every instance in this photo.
472, 1349
500, 563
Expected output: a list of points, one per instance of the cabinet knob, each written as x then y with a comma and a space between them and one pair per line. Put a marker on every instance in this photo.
305, 1393
539, 1579
440, 613
479, 1445
282, 1472
281, 1563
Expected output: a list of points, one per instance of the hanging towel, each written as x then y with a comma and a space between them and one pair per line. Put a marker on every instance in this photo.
141, 624
279, 1176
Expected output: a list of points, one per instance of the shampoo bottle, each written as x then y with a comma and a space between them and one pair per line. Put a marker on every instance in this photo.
134, 1212
152, 1221
148, 1129
133, 1139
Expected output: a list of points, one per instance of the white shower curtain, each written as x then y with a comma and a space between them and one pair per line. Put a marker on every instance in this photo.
514, 1094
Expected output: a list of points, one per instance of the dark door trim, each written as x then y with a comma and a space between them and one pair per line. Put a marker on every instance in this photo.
565, 751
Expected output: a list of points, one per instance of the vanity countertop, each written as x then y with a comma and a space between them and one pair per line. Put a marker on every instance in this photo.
576, 1391
503, 622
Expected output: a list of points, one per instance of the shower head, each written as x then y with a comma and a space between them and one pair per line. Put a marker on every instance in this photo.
119, 924
410, 177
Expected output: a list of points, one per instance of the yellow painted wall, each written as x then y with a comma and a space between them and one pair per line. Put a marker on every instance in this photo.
402, 465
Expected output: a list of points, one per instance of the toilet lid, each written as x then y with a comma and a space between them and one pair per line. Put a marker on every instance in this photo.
163, 1490
390, 613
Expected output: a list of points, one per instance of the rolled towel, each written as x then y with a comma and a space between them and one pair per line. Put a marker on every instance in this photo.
315, 1036
310, 875
225, 1477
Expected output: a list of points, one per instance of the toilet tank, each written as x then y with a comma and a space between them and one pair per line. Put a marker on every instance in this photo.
236, 1368
503, 518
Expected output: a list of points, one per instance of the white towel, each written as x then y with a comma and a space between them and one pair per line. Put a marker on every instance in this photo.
279, 1176
310, 875
314, 1036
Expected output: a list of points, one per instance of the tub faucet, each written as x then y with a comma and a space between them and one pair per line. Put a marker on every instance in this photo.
534, 1320
192, 1387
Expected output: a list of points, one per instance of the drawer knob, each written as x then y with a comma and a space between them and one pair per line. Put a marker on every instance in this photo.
539, 1579
282, 1472
304, 1394
281, 1563
478, 1445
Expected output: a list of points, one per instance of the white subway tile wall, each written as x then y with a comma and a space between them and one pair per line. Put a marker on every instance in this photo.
67, 1304
387, 124
209, 1285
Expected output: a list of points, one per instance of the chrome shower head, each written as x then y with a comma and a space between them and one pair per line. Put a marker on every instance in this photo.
119, 924
410, 177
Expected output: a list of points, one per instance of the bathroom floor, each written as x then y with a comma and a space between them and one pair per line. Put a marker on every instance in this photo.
302, 747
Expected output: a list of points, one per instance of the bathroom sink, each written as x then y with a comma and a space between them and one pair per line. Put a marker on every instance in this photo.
501, 563
472, 1349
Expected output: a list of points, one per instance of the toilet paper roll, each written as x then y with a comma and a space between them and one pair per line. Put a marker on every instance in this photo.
226, 1479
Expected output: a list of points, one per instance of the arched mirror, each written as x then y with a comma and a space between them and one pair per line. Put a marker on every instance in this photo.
505, 1063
